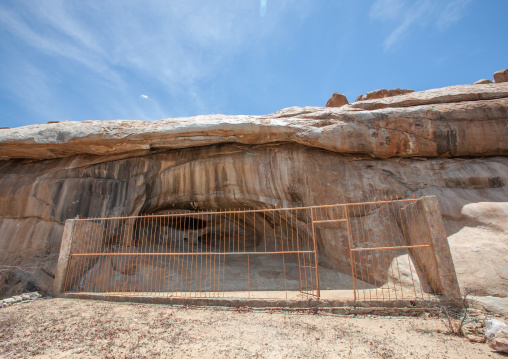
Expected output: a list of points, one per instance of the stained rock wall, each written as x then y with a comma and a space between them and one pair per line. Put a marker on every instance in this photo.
448, 142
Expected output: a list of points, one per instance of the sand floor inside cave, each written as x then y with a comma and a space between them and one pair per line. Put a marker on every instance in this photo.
64, 328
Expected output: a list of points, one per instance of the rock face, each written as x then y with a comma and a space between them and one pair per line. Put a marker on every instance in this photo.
337, 100
382, 93
501, 76
451, 142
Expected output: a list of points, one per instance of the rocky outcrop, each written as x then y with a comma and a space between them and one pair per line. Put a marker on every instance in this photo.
382, 93
467, 120
449, 142
482, 82
501, 76
337, 100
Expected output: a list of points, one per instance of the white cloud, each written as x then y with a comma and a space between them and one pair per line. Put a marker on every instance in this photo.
144, 97
171, 45
406, 16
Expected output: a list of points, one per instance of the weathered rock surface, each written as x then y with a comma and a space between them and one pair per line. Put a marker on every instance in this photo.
18, 299
337, 100
497, 335
466, 120
452, 95
382, 93
500, 342
501, 76
448, 142
491, 304
482, 82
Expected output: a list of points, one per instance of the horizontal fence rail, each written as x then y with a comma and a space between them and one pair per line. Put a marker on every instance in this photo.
263, 253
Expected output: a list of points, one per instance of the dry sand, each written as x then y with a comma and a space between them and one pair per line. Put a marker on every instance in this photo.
71, 328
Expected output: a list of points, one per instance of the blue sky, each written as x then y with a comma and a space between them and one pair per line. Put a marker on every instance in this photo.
147, 60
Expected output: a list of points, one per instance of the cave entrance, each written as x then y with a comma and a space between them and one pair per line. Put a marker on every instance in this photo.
385, 247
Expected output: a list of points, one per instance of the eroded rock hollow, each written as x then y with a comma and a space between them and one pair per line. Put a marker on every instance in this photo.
450, 142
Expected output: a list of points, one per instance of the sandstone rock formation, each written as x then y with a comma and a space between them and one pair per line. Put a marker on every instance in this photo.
501, 76
455, 121
382, 93
337, 100
450, 142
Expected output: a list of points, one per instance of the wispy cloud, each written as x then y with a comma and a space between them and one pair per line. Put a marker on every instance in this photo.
53, 45
387, 9
168, 46
452, 13
406, 16
144, 97
29, 89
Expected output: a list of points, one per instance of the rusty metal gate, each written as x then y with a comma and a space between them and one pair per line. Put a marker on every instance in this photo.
377, 250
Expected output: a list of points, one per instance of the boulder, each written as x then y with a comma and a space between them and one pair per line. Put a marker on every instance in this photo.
501, 76
482, 82
496, 333
500, 341
337, 100
382, 93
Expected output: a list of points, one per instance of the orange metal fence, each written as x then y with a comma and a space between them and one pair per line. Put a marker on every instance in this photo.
268, 253
204, 254
392, 256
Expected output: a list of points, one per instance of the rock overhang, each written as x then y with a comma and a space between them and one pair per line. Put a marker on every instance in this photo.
465, 120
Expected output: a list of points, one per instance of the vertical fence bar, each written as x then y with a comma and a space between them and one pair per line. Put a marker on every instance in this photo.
353, 274
315, 253
394, 251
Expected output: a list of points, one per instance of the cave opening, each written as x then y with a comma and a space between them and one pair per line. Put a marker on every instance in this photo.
263, 251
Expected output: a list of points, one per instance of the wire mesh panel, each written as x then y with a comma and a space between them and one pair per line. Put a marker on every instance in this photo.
196, 254
392, 257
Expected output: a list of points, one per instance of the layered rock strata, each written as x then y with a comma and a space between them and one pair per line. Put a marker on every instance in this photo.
382, 93
449, 142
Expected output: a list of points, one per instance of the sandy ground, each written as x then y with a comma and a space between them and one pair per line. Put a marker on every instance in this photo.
70, 328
